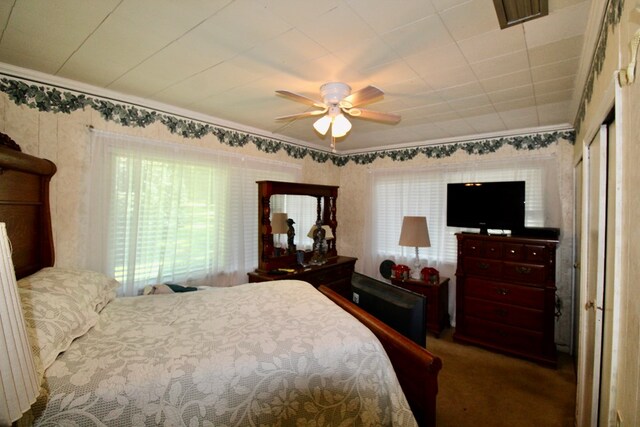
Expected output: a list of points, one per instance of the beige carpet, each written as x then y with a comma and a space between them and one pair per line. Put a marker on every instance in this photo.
478, 387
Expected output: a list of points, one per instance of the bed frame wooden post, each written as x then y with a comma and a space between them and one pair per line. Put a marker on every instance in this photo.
24, 207
416, 368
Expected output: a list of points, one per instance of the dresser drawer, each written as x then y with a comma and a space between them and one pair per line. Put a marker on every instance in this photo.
483, 267
536, 254
493, 250
526, 273
513, 251
505, 336
483, 249
473, 248
503, 313
524, 296
327, 275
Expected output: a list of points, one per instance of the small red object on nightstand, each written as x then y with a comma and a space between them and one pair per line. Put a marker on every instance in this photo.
401, 271
430, 275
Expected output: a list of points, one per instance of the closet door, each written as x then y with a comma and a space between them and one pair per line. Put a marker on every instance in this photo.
592, 277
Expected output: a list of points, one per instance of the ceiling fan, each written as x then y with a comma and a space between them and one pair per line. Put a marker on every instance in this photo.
337, 100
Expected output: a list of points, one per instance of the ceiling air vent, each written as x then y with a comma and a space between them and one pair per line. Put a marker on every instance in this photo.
513, 12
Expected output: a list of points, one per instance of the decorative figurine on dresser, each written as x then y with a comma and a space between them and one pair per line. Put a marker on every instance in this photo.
505, 295
330, 269
291, 234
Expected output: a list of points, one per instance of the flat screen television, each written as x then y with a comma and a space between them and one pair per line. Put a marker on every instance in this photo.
486, 205
403, 310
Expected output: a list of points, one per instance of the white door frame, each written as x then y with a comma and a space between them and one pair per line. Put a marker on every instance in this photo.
612, 99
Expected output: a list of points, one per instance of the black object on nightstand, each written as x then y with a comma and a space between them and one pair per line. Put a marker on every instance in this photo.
437, 295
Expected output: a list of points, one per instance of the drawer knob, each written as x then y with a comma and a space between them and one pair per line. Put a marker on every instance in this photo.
523, 270
513, 251
502, 291
535, 253
483, 266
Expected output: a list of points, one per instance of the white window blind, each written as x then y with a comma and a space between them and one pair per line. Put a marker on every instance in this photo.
423, 192
174, 213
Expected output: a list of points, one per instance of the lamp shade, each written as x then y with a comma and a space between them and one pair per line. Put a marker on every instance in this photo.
18, 380
328, 234
340, 126
279, 223
414, 232
322, 124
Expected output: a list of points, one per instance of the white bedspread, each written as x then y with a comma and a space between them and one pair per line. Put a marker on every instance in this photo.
276, 353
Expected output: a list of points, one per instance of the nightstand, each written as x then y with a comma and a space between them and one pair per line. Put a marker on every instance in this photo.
437, 301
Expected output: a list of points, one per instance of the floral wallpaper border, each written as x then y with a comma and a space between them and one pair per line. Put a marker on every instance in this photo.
55, 100
611, 19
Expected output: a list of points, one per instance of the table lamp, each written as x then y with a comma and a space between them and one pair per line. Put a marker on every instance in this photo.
18, 382
415, 233
319, 256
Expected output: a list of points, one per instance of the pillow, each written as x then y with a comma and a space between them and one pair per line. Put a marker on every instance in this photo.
59, 306
93, 289
53, 321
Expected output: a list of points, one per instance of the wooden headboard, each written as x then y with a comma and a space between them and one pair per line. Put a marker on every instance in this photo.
24, 207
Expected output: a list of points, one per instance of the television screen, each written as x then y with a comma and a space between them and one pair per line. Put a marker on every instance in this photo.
484, 205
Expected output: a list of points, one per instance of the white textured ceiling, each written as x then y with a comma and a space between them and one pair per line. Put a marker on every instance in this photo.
444, 65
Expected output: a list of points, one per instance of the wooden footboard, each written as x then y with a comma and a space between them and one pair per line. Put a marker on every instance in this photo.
416, 368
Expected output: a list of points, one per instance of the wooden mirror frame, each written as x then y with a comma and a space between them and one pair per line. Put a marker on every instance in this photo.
326, 196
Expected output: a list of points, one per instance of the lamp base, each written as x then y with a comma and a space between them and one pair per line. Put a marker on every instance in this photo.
415, 273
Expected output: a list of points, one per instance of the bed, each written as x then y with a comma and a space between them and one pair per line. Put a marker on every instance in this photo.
278, 353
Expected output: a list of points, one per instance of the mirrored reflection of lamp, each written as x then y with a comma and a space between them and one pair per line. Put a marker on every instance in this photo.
320, 247
415, 233
279, 226
18, 381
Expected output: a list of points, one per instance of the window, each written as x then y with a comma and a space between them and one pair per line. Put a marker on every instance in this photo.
175, 214
422, 192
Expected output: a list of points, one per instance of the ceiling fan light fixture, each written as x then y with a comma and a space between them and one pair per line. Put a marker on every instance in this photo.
337, 104
334, 92
340, 126
322, 124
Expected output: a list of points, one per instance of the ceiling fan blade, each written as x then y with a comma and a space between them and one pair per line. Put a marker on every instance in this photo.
302, 115
300, 98
362, 96
374, 115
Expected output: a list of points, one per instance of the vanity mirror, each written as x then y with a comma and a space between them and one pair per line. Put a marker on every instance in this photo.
305, 204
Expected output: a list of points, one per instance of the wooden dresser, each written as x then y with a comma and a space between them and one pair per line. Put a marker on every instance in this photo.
505, 295
335, 274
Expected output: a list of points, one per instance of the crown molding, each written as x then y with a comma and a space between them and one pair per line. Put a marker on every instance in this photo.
467, 138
